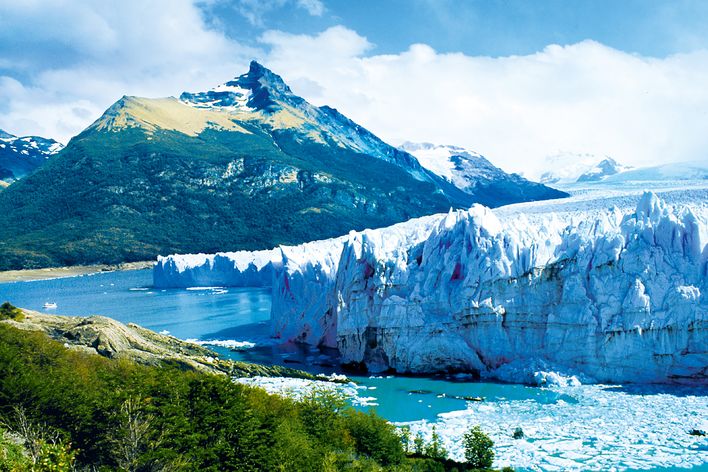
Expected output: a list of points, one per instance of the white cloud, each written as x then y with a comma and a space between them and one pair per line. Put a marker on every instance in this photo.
107, 50
255, 11
584, 98
313, 7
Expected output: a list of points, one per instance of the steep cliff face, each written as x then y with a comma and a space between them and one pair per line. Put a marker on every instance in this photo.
617, 298
611, 294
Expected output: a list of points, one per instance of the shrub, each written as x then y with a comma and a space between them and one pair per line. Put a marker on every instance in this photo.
478, 448
56, 457
374, 437
10, 312
12, 456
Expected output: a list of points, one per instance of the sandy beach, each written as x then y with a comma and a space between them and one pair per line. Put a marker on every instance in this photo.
57, 272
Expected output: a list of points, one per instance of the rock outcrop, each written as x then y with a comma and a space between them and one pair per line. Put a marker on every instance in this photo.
109, 338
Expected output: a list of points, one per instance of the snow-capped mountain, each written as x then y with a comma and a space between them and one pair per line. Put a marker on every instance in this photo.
258, 98
21, 155
474, 174
262, 96
567, 168
609, 289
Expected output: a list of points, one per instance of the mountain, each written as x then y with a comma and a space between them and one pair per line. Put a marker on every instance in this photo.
566, 168
665, 172
476, 176
21, 155
247, 165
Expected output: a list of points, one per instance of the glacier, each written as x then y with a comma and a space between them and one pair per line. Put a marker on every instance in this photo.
224, 269
608, 288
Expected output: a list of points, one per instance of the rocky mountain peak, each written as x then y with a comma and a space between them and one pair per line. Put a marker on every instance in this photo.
258, 89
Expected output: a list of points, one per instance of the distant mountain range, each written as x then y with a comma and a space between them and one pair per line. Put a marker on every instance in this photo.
565, 168
247, 165
572, 168
21, 155
476, 176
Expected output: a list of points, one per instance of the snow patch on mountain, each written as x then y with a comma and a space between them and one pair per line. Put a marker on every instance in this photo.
261, 96
21, 155
474, 174
458, 165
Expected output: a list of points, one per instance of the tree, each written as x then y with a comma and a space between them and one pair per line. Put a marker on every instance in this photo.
405, 432
132, 434
478, 448
434, 449
418, 444
45, 449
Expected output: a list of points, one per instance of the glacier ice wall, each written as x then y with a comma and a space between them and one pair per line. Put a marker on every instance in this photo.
614, 295
618, 298
224, 269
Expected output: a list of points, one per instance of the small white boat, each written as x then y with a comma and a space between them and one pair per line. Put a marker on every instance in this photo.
50, 306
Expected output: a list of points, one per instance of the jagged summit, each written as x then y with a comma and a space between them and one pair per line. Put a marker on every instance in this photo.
258, 89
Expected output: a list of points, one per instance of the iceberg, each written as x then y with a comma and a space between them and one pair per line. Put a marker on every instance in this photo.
612, 294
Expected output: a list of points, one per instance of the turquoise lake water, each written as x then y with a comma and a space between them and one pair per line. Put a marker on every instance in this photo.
242, 314
559, 420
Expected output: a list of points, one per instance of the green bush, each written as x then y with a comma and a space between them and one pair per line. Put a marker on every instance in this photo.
10, 312
478, 449
55, 457
374, 437
434, 449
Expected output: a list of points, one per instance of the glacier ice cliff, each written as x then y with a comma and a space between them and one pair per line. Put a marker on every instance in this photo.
614, 294
224, 269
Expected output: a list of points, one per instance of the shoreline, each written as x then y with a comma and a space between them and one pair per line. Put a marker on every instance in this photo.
29, 275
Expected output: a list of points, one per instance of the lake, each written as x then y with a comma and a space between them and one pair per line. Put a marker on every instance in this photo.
567, 428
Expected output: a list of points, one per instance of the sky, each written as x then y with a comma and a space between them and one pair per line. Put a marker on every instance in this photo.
518, 81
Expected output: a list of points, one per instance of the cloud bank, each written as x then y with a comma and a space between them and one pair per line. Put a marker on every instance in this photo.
579, 98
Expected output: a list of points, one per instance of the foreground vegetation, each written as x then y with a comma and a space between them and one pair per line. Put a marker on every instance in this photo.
63, 410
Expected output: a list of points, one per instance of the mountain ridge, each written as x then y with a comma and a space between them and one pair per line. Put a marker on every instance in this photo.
247, 165
474, 174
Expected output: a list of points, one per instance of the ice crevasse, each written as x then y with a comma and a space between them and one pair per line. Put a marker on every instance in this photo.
617, 296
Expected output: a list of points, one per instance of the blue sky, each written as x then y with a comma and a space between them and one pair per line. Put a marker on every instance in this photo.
518, 81
489, 27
